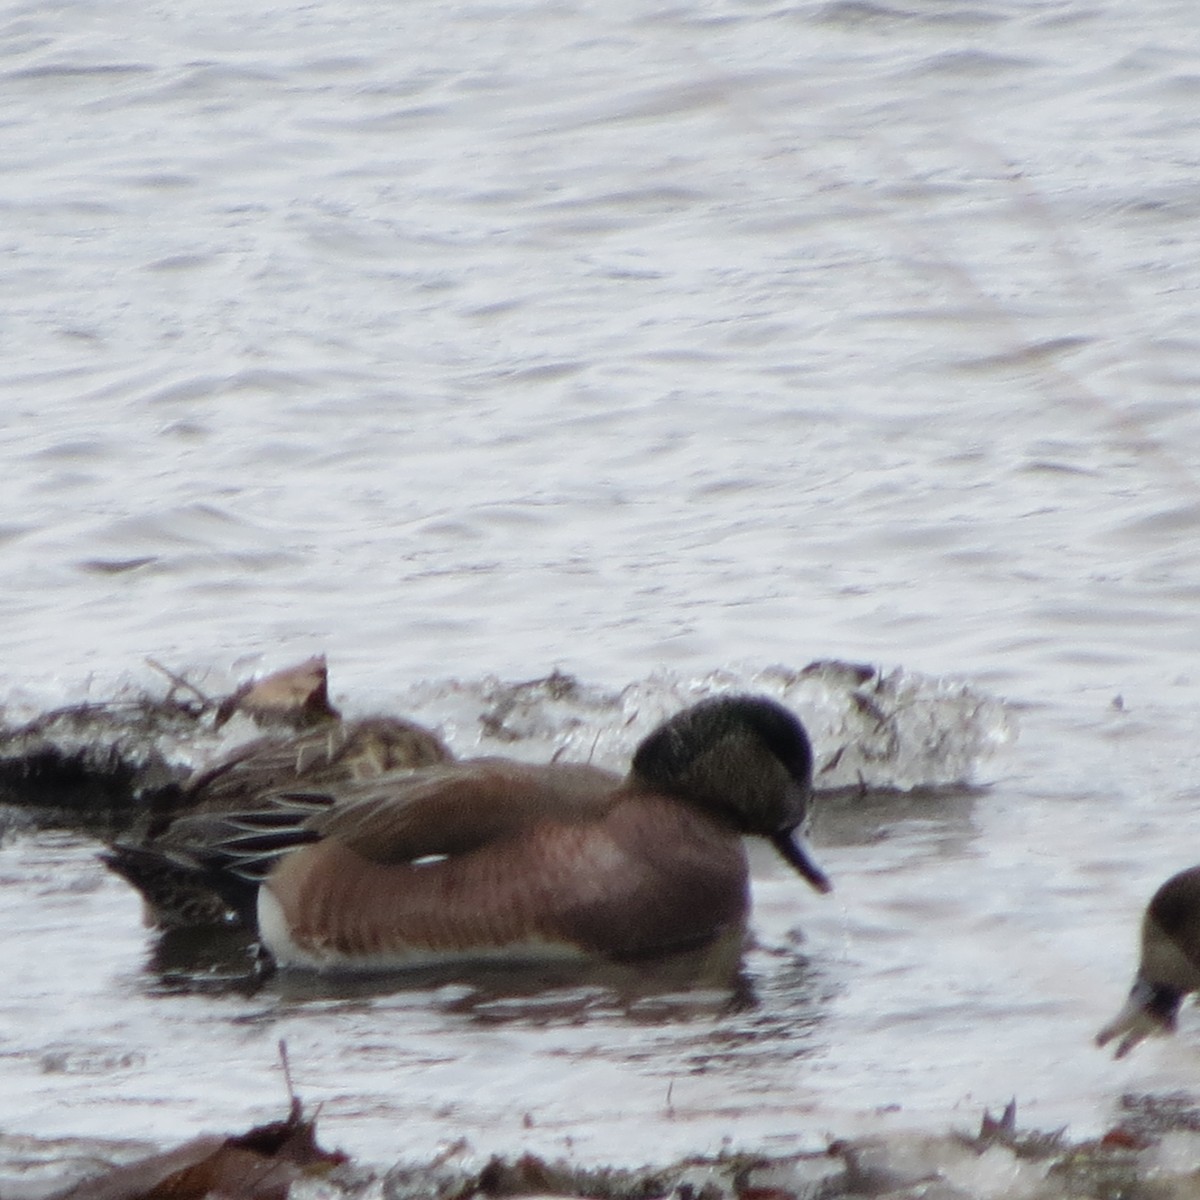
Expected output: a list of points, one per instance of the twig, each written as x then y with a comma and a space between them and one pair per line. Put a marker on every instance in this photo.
180, 682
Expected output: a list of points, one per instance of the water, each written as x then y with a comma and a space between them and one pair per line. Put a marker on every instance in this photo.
470, 341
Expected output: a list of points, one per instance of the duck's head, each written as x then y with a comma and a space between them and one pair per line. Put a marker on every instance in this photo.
1170, 964
375, 745
746, 759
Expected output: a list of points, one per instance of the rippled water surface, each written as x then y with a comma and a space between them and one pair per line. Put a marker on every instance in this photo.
658, 345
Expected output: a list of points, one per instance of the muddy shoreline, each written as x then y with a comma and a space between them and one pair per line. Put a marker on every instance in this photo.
1153, 1153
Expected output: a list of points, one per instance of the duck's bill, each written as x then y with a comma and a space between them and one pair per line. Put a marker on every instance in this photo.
1147, 1013
790, 843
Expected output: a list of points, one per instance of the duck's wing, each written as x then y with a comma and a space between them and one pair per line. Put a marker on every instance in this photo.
399, 817
262, 765
457, 807
403, 816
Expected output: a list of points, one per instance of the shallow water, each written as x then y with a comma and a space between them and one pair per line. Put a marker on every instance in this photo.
661, 346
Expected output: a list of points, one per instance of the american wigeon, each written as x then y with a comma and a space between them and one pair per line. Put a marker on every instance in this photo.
176, 893
1169, 967
493, 858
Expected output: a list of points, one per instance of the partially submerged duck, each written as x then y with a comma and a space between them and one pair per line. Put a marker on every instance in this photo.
176, 894
492, 858
1169, 968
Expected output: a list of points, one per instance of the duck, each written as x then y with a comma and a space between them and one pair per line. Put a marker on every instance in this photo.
175, 894
496, 859
1169, 967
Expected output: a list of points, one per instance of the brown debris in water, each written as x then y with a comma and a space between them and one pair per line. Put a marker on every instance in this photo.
1002, 1131
296, 697
999, 1163
517, 711
94, 764
260, 1164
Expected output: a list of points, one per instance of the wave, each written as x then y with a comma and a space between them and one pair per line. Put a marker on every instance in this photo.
872, 730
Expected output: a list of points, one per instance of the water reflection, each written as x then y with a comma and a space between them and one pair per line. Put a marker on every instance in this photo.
220, 961
944, 818
709, 981
743, 1005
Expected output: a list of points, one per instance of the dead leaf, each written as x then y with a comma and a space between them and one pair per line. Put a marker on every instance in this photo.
297, 696
261, 1164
